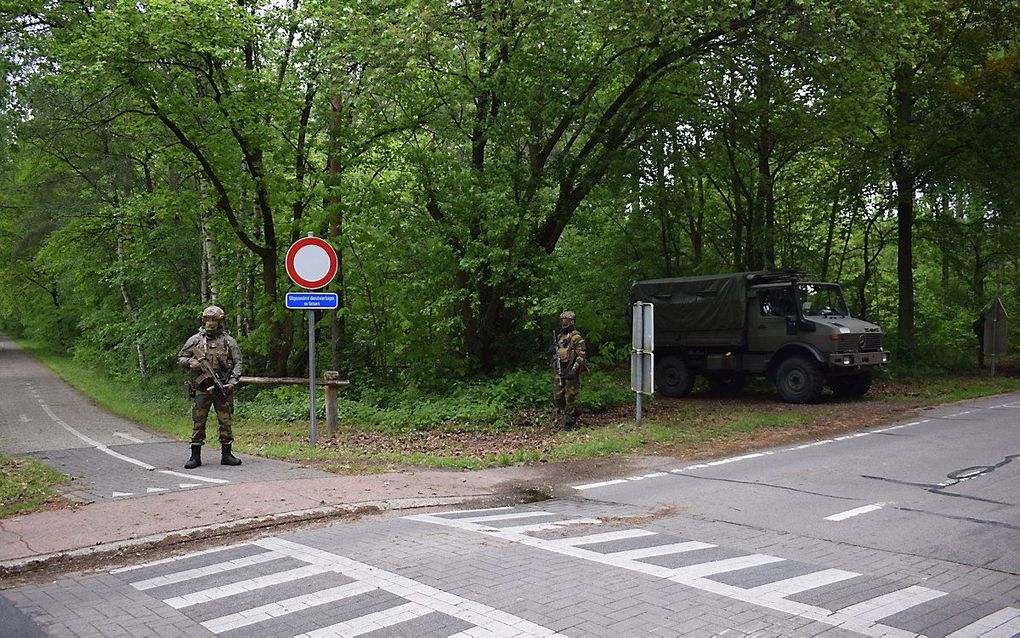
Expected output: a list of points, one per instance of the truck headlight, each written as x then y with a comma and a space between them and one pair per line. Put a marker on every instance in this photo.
885, 357
848, 361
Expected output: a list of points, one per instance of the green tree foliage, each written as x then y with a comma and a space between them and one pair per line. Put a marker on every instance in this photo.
482, 165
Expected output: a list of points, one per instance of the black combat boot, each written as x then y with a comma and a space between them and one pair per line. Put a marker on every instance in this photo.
228, 458
196, 457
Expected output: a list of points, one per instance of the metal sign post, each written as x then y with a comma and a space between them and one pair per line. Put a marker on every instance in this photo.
642, 356
996, 337
311, 264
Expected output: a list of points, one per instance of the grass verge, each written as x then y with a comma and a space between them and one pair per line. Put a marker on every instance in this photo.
27, 485
508, 421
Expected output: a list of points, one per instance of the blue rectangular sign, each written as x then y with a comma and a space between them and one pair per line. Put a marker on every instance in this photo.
312, 300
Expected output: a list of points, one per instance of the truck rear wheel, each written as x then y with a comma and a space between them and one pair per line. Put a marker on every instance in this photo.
799, 380
851, 387
673, 378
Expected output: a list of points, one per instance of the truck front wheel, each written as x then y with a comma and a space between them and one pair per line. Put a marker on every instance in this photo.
799, 380
673, 378
851, 387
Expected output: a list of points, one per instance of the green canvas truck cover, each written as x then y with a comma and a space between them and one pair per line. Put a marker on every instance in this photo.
702, 310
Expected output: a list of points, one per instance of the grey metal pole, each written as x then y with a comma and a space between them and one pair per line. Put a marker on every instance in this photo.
638, 408
311, 372
995, 343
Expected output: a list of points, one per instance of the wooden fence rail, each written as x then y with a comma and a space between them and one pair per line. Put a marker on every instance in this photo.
330, 380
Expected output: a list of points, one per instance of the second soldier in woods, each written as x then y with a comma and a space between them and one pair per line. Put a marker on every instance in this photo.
569, 360
214, 360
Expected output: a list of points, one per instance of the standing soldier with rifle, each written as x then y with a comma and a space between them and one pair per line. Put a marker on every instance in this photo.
568, 362
214, 360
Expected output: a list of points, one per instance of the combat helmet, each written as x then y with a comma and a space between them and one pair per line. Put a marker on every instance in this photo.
213, 313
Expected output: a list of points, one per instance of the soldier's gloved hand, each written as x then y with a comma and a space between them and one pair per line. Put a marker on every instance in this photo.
194, 363
229, 387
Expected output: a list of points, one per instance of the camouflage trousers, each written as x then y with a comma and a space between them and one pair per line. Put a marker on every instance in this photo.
565, 393
200, 413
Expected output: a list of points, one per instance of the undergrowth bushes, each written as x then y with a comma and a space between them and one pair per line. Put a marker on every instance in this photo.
494, 404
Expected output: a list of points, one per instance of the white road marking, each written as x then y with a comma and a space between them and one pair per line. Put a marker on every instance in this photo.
117, 455
96, 444
218, 568
798, 584
288, 606
744, 457
371, 622
420, 599
701, 570
491, 621
661, 550
128, 437
591, 486
695, 576
120, 494
193, 477
1004, 623
842, 516
505, 517
538, 527
260, 582
604, 537
185, 486
154, 490
892, 603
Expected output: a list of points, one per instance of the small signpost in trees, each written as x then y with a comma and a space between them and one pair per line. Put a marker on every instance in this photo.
642, 357
311, 264
996, 337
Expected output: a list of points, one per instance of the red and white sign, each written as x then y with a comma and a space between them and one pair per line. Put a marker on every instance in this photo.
311, 262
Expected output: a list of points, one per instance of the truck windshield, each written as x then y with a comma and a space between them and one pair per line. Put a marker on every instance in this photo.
821, 300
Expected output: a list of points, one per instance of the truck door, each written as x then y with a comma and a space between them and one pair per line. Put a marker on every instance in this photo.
772, 319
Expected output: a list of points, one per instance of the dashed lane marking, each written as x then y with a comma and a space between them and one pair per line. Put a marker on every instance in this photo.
123, 457
743, 457
842, 516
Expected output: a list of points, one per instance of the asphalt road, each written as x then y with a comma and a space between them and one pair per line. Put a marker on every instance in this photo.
107, 456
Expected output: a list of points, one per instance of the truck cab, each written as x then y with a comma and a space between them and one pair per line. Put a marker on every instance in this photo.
783, 325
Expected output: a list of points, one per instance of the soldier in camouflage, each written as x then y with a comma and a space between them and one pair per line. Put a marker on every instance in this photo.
214, 360
567, 378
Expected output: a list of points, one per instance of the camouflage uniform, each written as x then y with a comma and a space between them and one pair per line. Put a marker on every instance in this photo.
214, 346
570, 349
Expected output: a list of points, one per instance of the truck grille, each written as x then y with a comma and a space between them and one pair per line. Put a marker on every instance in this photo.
867, 342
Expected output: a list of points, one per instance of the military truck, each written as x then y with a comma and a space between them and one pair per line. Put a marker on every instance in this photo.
783, 325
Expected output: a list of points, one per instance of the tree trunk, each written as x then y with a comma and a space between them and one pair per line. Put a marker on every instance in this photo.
906, 189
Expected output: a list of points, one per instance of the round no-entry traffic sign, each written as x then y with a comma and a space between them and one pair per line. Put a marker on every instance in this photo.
311, 262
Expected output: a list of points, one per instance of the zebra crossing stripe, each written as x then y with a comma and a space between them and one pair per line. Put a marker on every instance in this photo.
371, 622
539, 527
504, 517
215, 593
218, 568
892, 603
798, 584
298, 603
701, 570
604, 537
1004, 623
661, 550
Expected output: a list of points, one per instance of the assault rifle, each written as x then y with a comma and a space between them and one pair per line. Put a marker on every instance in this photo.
208, 372
556, 357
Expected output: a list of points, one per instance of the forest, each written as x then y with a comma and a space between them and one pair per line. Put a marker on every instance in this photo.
482, 165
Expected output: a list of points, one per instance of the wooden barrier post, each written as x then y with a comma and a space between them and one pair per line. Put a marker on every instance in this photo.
329, 377
330, 380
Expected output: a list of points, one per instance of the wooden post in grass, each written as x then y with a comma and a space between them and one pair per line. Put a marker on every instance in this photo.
330, 376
